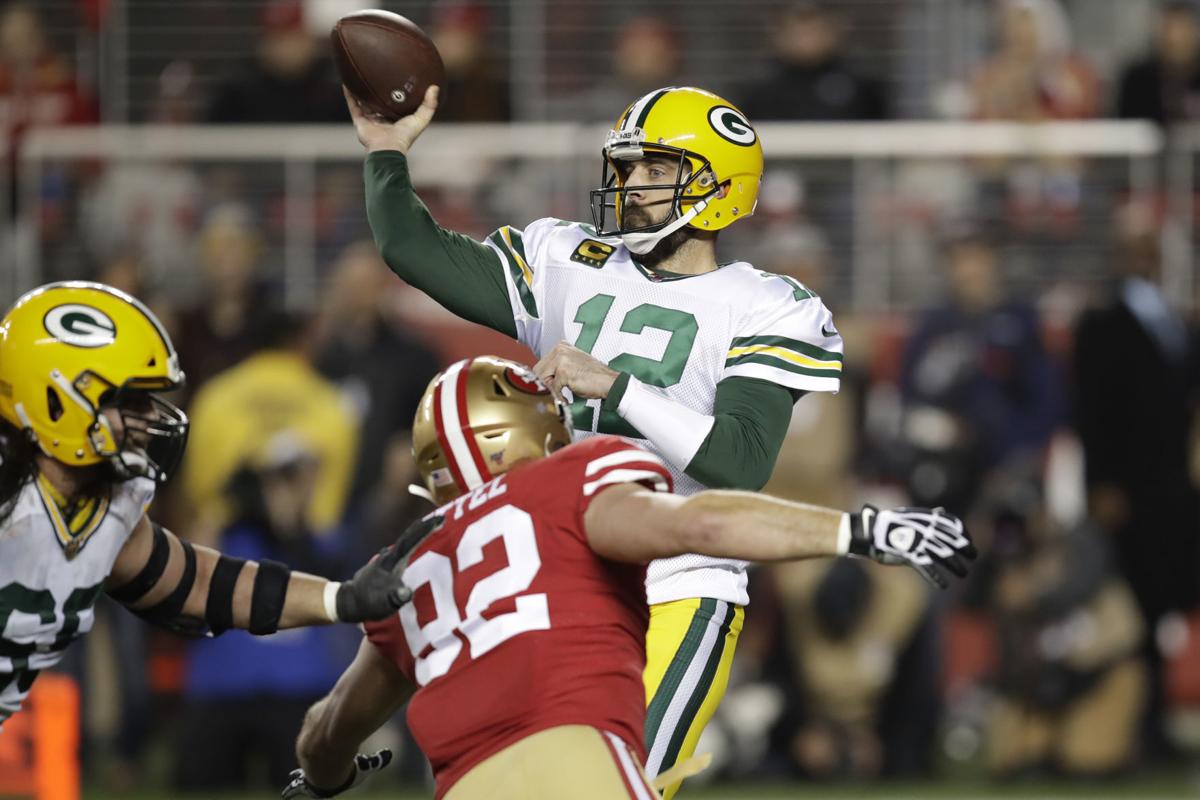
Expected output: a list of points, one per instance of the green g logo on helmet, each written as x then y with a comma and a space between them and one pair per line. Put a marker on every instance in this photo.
718, 158
80, 326
73, 349
731, 125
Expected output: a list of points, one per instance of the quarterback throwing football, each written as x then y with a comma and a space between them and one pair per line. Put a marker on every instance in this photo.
524, 645
653, 339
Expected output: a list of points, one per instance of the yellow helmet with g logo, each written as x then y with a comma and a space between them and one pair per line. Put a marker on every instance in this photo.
67, 351
719, 156
477, 419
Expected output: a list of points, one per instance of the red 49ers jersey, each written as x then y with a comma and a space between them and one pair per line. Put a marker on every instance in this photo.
515, 624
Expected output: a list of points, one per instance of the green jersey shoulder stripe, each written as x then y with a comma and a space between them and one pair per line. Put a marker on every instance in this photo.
522, 278
799, 290
810, 350
518, 243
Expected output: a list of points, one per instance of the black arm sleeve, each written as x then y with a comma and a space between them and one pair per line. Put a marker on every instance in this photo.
455, 270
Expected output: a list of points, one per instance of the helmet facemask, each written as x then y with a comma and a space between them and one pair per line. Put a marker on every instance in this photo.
694, 185
152, 436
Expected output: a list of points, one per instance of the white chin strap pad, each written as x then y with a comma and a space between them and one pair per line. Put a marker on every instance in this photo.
642, 243
421, 492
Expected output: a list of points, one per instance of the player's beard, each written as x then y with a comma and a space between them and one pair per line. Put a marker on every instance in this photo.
639, 217
665, 248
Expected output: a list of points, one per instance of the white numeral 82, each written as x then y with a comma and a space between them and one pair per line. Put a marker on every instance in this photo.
441, 633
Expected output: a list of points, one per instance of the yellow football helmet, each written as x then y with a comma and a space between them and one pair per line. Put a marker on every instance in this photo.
68, 350
477, 419
719, 156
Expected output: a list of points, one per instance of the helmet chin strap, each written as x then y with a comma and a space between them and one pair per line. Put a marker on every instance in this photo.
421, 492
132, 464
642, 243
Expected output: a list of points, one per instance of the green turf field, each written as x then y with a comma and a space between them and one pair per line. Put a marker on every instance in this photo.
1171, 786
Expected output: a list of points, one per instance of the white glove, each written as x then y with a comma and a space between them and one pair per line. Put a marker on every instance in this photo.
931, 541
364, 765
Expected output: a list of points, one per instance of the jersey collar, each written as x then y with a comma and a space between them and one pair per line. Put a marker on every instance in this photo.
73, 522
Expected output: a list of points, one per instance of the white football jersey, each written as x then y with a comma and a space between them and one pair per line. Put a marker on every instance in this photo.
683, 335
50, 579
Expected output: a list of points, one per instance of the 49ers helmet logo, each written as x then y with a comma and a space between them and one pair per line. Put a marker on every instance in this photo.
525, 382
80, 326
731, 125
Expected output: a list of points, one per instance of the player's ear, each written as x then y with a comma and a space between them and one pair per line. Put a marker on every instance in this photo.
724, 190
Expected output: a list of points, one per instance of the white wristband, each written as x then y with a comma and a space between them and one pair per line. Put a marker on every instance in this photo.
331, 591
676, 430
843, 536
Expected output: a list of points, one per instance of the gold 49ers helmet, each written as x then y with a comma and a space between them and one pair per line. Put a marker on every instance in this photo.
69, 350
480, 417
719, 164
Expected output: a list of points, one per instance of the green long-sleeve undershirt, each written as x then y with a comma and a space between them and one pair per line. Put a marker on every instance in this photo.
750, 416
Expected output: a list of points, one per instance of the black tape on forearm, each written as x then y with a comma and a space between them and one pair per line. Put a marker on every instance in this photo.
166, 611
218, 611
270, 590
148, 576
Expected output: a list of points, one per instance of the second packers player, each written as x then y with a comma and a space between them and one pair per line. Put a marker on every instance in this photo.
651, 338
85, 440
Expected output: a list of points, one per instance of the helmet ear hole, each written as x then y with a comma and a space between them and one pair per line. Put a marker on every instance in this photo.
498, 388
54, 404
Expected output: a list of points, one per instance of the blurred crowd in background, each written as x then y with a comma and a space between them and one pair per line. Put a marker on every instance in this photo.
1031, 374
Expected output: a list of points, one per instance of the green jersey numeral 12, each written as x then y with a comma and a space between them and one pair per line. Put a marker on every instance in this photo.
664, 372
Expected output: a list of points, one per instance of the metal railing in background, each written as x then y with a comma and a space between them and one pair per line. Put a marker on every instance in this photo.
1180, 235
861, 163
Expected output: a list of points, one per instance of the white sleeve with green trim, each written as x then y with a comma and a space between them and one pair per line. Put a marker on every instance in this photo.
520, 252
787, 337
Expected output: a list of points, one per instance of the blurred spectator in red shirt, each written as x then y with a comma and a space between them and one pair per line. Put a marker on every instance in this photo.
812, 79
476, 89
1033, 75
37, 88
291, 78
1165, 85
37, 85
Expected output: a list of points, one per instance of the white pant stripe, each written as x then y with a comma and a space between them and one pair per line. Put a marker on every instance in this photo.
687, 687
632, 773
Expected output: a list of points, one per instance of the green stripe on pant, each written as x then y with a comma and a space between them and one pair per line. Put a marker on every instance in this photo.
700, 692
679, 664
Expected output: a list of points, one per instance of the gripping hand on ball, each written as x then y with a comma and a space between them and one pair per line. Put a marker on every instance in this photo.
378, 134
931, 541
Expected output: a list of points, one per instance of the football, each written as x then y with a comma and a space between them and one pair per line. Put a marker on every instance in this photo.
386, 61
